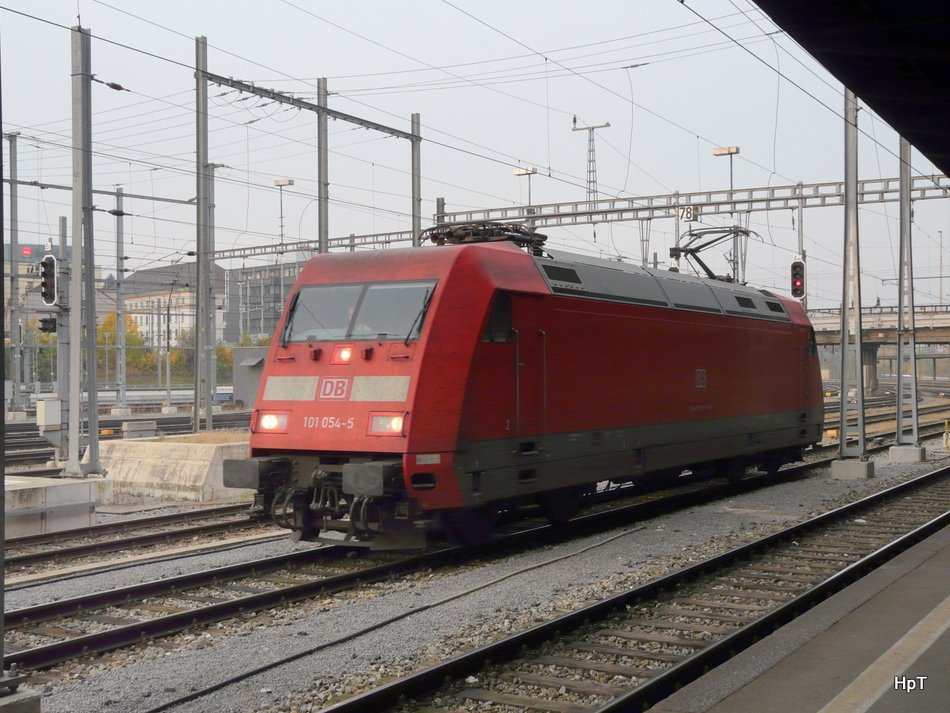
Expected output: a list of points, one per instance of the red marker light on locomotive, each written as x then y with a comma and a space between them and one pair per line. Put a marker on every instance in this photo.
272, 422
386, 424
342, 354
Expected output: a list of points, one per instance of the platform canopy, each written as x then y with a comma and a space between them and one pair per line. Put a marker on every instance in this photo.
894, 55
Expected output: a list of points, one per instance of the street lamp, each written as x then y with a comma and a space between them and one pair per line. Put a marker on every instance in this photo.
280, 183
528, 171
731, 151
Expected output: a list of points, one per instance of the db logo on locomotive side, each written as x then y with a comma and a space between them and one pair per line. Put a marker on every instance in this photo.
334, 388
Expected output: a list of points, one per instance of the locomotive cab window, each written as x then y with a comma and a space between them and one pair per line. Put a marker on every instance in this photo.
380, 310
498, 327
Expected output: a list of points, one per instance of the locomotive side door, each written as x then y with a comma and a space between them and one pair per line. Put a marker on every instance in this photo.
530, 366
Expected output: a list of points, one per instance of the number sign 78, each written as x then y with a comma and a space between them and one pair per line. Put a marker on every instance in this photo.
689, 213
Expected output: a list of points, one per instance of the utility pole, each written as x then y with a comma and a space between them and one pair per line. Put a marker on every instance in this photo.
416, 143
82, 256
168, 348
210, 315
907, 445
675, 261
591, 157
201, 234
16, 368
852, 460
120, 406
323, 181
801, 239
84, 192
64, 378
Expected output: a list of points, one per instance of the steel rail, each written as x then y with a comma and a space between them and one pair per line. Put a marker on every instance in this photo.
429, 680
125, 525
50, 654
128, 543
140, 631
47, 655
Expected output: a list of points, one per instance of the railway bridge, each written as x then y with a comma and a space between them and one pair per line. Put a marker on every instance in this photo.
879, 329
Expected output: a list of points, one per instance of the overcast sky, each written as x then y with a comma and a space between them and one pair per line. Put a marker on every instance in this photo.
497, 85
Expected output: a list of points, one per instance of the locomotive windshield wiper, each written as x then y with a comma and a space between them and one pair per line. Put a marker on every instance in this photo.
290, 316
418, 317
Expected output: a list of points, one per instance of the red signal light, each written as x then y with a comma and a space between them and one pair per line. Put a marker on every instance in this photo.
798, 279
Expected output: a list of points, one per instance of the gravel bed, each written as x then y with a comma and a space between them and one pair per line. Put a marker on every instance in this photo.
523, 590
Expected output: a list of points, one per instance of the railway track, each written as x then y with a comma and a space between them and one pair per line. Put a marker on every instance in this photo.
42, 553
42, 636
629, 651
943, 410
47, 556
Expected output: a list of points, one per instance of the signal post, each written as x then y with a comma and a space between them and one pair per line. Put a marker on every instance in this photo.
49, 411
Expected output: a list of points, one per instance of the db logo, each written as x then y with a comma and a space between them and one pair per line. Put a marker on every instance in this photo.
334, 388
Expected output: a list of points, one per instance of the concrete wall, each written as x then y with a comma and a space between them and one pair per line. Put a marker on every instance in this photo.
178, 468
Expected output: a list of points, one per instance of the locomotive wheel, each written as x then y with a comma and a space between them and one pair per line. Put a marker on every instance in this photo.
735, 472
770, 468
560, 506
471, 526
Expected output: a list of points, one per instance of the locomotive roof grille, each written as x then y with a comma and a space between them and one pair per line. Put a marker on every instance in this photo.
593, 278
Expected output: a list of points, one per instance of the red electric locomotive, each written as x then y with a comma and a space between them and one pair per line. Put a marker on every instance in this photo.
419, 390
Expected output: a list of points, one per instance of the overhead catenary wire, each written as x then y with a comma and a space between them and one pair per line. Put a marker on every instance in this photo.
476, 153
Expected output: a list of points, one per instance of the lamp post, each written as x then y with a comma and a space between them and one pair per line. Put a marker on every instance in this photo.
731, 151
528, 171
280, 183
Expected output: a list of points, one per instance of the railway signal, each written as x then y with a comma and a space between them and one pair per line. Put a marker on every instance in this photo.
48, 324
798, 279
48, 280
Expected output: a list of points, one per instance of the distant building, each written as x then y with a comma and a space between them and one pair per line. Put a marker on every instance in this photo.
254, 299
248, 301
161, 300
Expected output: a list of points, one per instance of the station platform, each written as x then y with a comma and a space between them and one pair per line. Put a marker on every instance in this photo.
882, 645
35, 505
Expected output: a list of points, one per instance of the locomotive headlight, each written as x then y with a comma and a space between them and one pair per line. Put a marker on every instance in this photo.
342, 354
386, 424
272, 422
